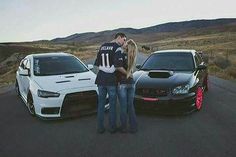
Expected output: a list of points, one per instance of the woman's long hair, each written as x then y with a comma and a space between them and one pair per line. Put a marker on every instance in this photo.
131, 55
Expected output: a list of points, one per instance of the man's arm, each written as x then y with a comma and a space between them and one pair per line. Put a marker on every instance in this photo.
122, 70
96, 60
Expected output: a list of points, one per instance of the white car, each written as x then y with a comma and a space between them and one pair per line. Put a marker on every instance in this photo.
56, 85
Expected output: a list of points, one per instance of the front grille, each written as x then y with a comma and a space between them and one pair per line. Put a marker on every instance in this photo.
151, 92
50, 110
77, 103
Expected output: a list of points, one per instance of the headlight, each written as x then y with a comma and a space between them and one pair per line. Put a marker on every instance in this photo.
46, 94
181, 89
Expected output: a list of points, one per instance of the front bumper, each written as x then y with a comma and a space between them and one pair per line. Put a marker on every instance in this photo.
71, 103
169, 104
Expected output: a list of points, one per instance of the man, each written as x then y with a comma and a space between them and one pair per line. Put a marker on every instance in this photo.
106, 81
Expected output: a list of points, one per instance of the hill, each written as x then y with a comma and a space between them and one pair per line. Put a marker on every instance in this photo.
216, 38
140, 34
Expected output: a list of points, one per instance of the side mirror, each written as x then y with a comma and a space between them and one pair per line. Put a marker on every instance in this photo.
201, 67
138, 66
24, 72
90, 66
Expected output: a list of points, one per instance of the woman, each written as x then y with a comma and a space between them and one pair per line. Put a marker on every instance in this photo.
125, 65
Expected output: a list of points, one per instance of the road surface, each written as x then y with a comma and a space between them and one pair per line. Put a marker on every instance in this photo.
208, 133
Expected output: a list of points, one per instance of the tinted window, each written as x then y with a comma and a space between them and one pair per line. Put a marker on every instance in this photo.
176, 61
57, 65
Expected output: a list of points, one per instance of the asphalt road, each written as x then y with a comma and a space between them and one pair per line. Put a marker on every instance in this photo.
208, 133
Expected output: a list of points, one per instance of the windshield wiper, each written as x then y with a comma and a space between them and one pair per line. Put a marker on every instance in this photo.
71, 72
144, 69
165, 69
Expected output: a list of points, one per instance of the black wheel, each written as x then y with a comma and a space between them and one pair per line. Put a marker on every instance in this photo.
17, 88
206, 84
30, 105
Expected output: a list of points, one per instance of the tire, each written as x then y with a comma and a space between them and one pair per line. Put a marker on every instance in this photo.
206, 84
17, 88
199, 98
30, 105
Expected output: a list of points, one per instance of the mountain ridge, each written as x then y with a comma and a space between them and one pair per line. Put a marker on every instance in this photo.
98, 37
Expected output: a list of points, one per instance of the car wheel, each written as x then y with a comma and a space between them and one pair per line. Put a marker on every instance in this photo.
199, 98
17, 88
30, 105
206, 84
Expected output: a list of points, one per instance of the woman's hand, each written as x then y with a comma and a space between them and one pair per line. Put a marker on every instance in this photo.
129, 76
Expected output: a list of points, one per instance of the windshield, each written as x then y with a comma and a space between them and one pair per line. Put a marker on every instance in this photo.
174, 61
57, 65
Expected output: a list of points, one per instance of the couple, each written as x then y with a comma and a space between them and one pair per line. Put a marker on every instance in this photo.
115, 61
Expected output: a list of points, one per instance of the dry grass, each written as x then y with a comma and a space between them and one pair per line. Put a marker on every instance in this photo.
218, 45
85, 52
9, 77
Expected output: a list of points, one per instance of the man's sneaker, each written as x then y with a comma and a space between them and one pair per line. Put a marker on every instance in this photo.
133, 131
123, 130
101, 131
112, 130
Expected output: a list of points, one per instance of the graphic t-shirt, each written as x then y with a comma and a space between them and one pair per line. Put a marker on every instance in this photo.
105, 63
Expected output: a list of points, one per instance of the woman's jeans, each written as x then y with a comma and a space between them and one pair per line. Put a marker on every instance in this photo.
126, 99
102, 94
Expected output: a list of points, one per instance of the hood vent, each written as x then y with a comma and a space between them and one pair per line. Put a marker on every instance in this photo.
160, 74
84, 79
69, 76
63, 81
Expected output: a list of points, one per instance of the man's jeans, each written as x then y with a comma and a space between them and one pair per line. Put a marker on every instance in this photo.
126, 99
102, 93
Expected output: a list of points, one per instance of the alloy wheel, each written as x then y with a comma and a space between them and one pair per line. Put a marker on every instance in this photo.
199, 98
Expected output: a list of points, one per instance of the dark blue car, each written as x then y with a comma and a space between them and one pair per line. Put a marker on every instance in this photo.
171, 81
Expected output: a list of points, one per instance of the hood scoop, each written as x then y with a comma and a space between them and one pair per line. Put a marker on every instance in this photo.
160, 74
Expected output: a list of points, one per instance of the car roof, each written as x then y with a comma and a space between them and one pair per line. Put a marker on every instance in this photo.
50, 54
176, 50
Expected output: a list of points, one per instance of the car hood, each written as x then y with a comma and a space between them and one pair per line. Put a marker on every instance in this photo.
58, 83
161, 79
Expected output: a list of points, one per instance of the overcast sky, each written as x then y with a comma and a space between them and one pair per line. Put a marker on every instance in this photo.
29, 20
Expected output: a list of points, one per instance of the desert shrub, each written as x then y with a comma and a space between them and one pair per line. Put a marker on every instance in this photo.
8, 63
205, 57
213, 69
83, 49
231, 71
221, 62
146, 48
